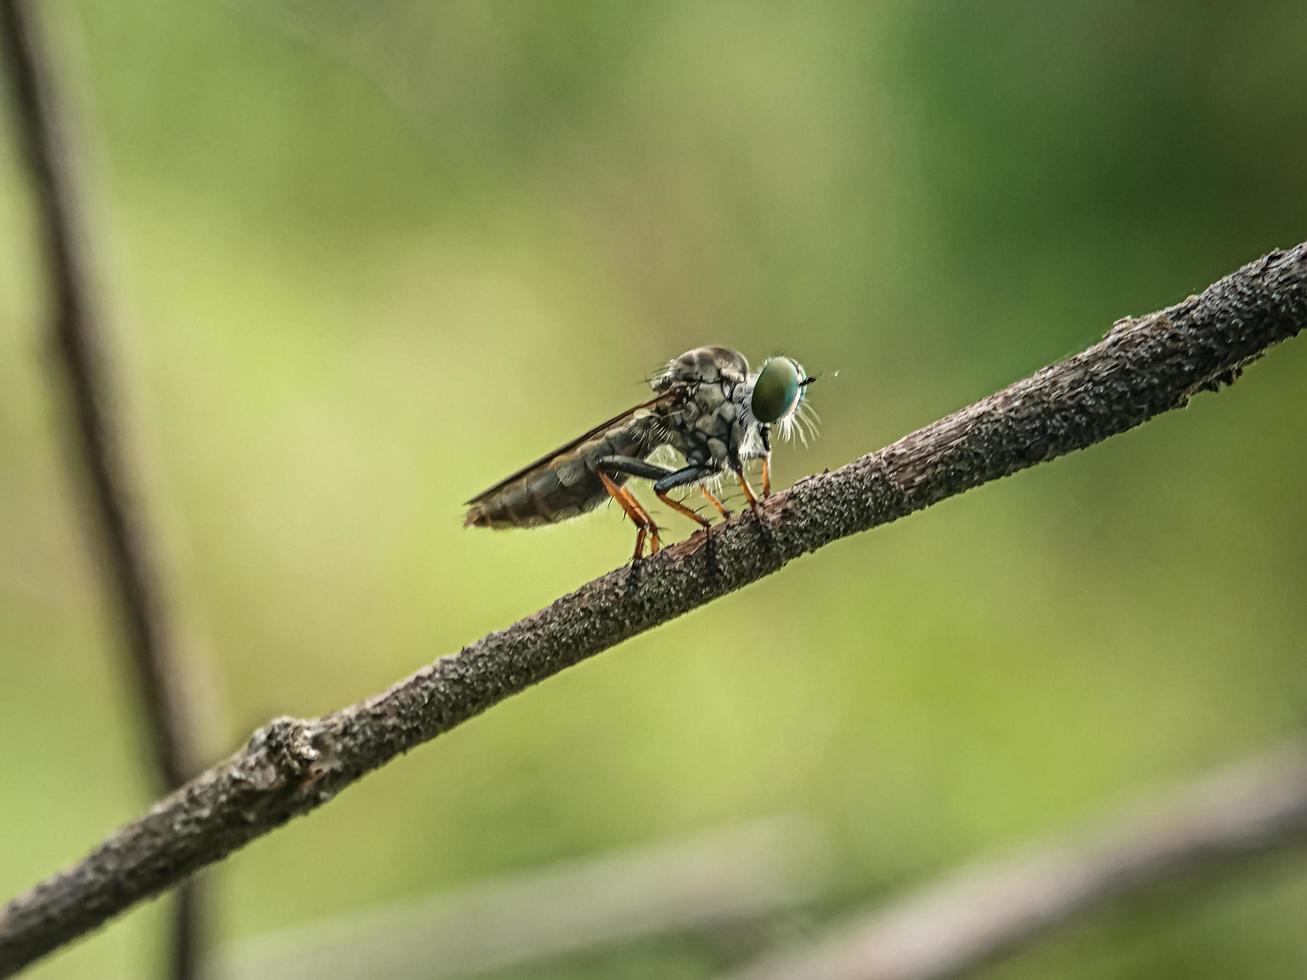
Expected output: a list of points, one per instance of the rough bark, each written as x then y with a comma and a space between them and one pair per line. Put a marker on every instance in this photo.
1143, 367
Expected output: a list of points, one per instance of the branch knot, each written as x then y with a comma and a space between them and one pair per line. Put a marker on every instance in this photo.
281, 753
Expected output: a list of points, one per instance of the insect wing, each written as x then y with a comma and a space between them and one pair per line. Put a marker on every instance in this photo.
665, 399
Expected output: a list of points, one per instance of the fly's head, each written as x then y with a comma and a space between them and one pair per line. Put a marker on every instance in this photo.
732, 410
775, 396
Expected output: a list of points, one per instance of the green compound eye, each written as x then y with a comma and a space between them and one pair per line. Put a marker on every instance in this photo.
777, 390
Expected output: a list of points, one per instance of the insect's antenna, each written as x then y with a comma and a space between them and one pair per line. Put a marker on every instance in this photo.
814, 378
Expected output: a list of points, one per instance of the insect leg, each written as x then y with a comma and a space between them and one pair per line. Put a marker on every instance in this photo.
749, 495
633, 467
634, 511
712, 499
763, 529
682, 477
766, 477
654, 542
680, 508
679, 478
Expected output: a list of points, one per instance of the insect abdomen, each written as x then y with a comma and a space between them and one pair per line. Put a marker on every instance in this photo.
563, 486
537, 497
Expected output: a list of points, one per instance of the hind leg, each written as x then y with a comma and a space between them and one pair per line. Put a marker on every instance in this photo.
644, 524
631, 466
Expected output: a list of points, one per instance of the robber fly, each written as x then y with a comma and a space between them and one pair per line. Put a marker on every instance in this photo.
706, 405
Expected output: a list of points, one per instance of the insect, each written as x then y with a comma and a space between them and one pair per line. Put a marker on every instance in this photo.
706, 406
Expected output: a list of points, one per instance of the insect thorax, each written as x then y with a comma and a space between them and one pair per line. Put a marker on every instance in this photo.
706, 426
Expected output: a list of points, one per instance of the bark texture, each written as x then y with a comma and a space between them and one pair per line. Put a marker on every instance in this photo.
1143, 367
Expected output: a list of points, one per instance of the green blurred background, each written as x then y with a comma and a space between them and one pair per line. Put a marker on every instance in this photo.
368, 257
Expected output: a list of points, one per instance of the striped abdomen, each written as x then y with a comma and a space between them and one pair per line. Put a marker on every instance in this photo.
565, 484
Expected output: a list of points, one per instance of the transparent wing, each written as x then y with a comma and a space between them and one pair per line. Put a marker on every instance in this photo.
665, 399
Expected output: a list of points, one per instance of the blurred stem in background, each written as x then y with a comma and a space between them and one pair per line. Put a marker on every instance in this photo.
747, 877
769, 871
973, 916
78, 323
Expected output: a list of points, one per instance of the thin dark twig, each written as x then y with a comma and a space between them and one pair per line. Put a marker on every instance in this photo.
77, 325
977, 915
1143, 367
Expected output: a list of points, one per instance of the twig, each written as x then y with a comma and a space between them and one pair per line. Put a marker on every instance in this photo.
730, 877
77, 327
975, 916
1142, 368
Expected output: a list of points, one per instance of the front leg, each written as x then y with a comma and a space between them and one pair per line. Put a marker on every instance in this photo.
749, 495
738, 466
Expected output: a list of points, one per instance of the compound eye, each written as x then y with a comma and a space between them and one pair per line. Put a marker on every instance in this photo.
777, 390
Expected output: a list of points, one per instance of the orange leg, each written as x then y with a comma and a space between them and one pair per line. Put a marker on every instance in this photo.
766, 477
712, 499
654, 542
639, 517
680, 508
748, 490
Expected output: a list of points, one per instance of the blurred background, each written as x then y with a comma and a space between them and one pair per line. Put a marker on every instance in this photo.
368, 258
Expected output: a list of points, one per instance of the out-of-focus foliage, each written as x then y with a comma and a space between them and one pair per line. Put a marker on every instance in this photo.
370, 257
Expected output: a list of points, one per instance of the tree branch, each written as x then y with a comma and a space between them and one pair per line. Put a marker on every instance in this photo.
1142, 368
77, 326
972, 917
